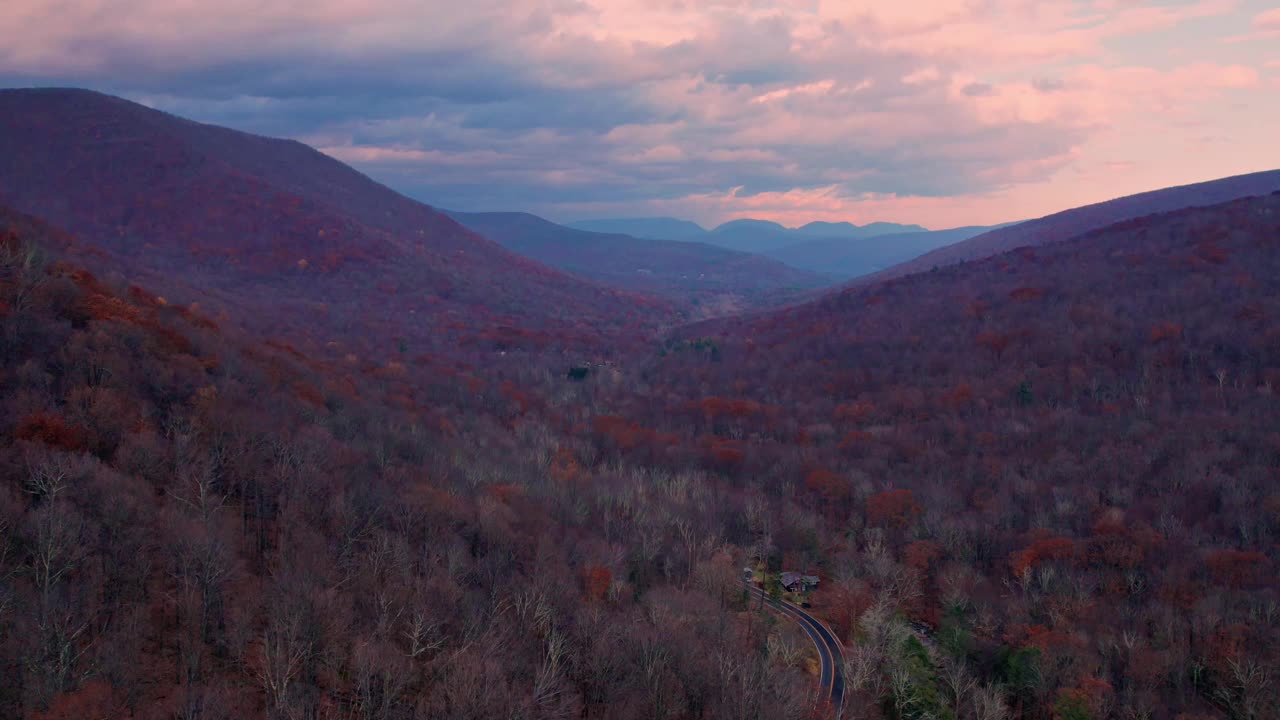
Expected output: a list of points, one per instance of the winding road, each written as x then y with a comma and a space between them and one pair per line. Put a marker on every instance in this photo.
830, 656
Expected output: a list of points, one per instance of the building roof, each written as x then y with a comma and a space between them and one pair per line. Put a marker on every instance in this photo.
791, 577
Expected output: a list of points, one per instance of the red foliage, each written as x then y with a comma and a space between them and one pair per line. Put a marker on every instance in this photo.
190, 315
51, 429
95, 700
726, 455
958, 397
1040, 637
564, 466
718, 407
828, 485
623, 433
108, 307
1053, 549
921, 554
522, 400
855, 412
1211, 253
145, 298
596, 580
85, 279
845, 602
309, 394
1165, 331
1026, 294
893, 508
996, 343
1236, 568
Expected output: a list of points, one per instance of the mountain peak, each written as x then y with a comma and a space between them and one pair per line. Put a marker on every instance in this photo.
849, 230
749, 224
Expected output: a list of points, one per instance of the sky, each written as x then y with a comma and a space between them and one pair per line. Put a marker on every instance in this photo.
937, 112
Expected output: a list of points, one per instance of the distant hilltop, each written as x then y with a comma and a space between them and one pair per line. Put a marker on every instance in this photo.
745, 235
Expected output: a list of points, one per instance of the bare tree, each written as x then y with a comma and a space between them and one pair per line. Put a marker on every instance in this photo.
58, 548
783, 646
7, 571
48, 475
200, 565
905, 693
989, 703
381, 678
24, 265
422, 634
282, 654
1248, 689
960, 685
550, 690
197, 491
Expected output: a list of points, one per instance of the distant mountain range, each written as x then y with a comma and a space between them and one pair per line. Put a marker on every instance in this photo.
879, 250
838, 249
686, 271
745, 235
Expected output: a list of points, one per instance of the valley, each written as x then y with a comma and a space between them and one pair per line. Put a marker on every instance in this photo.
278, 441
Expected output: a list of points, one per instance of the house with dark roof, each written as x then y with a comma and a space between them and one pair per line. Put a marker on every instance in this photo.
797, 582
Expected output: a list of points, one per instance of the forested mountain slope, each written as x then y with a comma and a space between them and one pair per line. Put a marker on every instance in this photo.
197, 524
1070, 223
302, 243
1063, 459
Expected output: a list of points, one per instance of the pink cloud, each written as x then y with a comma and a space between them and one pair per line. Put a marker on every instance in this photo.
1269, 20
1048, 30
375, 155
939, 111
1265, 27
820, 87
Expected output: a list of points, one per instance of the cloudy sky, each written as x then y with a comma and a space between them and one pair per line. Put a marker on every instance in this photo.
941, 112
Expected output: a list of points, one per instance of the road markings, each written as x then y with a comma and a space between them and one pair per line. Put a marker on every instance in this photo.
830, 656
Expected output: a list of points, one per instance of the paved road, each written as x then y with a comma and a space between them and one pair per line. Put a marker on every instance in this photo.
830, 657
